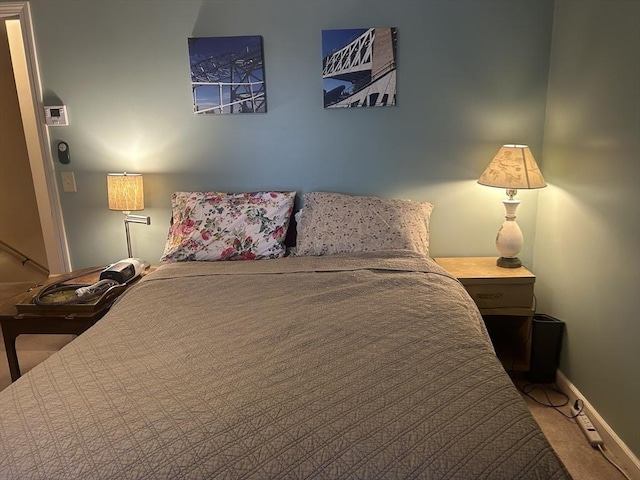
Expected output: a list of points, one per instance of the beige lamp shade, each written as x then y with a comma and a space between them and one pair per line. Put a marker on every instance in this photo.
513, 168
125, 191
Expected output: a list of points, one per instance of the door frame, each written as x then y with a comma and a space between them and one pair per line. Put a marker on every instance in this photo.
30, 99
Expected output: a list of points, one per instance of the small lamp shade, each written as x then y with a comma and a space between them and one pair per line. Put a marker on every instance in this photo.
125, 191
513, 168
126, 194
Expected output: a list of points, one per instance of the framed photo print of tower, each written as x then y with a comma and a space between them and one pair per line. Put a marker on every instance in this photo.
227, 75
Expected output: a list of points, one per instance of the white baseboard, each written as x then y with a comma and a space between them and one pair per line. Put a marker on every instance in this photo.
625, 457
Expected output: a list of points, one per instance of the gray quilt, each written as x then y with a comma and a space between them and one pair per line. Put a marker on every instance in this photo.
366, 366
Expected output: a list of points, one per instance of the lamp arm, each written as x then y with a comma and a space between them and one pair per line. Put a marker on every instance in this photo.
137, 219
128, 218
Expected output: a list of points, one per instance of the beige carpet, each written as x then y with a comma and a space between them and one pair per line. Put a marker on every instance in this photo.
582, 461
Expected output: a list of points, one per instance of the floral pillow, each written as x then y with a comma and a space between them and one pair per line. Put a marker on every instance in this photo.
225, 226
332, 223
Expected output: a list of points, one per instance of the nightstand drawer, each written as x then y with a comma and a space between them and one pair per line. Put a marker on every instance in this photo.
504, 297
500, 295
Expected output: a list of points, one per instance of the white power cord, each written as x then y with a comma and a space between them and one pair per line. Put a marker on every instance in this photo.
96, 288
613, 463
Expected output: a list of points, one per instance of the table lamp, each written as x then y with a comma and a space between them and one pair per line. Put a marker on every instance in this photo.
512, 168
126, 194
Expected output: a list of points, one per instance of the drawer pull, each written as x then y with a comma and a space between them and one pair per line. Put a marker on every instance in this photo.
489, 296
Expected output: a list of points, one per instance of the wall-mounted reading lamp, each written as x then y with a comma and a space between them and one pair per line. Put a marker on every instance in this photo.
512, 168
126, 194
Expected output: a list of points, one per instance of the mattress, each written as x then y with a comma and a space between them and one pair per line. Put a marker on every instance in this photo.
369, 365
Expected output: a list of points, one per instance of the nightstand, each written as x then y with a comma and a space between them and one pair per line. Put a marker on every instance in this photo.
23, 316
504, 297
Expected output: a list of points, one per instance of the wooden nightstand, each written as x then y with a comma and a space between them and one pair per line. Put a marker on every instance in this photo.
23, 316
504, 297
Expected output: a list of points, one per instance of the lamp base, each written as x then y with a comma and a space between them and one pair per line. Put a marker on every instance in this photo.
509, 262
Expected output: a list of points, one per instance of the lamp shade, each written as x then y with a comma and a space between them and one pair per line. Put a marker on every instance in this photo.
513, 167
125, 191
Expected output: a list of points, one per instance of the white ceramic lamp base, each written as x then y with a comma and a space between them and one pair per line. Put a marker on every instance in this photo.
509, 240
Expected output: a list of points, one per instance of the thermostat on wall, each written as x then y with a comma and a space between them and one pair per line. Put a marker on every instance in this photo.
56, 116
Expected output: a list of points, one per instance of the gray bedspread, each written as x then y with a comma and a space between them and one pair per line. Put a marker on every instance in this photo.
366, 366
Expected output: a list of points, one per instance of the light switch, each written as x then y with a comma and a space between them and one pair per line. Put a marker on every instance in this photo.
68, 182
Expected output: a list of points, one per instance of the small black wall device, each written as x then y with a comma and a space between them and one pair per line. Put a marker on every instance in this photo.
63, 153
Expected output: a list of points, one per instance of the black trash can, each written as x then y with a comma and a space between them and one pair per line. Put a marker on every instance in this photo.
546, 343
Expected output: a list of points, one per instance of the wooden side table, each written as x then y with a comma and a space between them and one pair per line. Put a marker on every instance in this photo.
14, 324
21, 316
505, 299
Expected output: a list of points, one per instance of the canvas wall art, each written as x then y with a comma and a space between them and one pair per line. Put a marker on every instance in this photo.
227, 75
359, 67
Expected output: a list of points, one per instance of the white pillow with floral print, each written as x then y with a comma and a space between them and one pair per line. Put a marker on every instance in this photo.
336, 223
228, 226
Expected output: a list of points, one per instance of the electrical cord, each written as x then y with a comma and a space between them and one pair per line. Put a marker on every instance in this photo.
83, 293
613, 463
578, 405
545, 388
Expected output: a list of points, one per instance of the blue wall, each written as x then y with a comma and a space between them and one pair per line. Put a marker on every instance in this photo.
472, 75
586, 253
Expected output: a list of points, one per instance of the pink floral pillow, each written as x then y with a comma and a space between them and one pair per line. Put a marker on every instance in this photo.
226, 226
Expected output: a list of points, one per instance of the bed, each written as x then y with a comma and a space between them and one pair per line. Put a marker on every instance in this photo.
347, 364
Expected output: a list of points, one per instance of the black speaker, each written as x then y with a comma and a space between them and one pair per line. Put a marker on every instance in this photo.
546, 343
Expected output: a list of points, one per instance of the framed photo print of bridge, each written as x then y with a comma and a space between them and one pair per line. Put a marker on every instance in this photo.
359, 67
227, 75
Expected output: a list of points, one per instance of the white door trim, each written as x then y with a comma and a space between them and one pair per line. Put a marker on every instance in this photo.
17, 16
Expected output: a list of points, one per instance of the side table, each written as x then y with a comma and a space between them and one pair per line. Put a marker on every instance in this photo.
505, 299
21, 316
